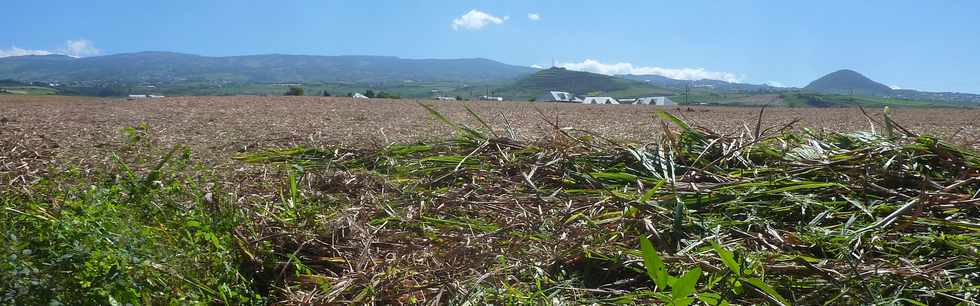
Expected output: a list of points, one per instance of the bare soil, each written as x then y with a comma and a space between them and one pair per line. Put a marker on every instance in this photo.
218, 127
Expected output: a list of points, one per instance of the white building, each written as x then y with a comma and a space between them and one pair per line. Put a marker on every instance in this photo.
661, 101
358, 95
491, 98
599, 100
134, 97
557, 96
443, 98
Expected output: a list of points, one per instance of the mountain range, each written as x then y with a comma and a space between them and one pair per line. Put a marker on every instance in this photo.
186, 70
272, 68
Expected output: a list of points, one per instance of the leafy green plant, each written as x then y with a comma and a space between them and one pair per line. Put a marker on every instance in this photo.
135, 232
654, 265
681, 288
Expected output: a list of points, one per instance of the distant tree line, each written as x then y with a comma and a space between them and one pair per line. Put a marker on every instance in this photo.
381, 95
108, 91
298, 91
295, 91
11, 82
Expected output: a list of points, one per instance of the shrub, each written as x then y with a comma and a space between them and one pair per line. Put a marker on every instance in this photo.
385, 95
145, 230
294, 91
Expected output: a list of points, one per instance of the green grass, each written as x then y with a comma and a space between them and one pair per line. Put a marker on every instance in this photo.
28, 90
403, 89
829, 100
144, 230
692, 218
711, 97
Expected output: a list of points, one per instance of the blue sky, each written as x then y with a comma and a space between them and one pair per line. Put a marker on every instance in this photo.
927, 45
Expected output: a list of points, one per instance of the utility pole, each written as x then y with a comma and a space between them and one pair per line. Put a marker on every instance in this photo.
687, 93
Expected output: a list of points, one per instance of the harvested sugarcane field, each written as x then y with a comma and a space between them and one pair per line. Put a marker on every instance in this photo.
324, 200
464, 153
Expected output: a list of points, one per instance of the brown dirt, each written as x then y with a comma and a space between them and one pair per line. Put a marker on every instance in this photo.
217, 127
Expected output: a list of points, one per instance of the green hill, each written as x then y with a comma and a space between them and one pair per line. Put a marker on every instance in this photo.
578, 83
572, 81
834, 100
848, 82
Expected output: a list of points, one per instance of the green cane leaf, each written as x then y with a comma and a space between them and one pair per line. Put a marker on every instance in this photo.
655, 266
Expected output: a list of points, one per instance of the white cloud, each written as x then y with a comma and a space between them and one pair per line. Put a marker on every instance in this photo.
894, 87
775, 84
14, 51
534, 16
80, 48
475, 20
537, 66
73, 48
595, 66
